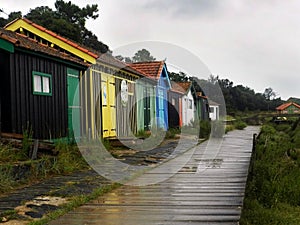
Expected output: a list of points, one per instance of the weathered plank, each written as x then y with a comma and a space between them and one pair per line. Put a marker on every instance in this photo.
209, 189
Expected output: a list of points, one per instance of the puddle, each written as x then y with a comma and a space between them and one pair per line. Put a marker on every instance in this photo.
37, 207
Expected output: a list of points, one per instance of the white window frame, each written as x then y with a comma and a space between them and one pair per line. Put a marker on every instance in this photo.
41, 83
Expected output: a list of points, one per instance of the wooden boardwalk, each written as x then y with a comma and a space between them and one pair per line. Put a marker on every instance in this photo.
209, 189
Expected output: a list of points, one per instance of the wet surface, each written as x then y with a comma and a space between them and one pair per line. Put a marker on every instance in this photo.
36, 200
209, 189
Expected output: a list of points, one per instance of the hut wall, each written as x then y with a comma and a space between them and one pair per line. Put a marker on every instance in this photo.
126, 113
146, 106
188, 109
91, 103
46, 115
174, 110
5, 93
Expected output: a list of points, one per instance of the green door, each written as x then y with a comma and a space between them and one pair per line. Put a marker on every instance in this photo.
73, 103
147, 112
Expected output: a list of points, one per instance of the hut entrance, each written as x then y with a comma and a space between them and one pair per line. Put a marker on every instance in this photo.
108, 105
73, 103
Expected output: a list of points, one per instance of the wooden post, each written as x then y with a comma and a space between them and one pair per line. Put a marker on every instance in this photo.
35, 149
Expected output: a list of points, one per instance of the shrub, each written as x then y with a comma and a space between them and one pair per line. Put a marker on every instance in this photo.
240, 125
205, 129
273, 190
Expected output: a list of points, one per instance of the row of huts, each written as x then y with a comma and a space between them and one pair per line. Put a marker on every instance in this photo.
58, 88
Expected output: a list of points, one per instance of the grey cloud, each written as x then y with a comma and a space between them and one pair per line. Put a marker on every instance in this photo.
186, 8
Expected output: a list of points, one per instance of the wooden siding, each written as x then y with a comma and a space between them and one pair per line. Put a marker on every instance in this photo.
188, 109
53, 39
174, 109
45, 115
202, 109
108, 91
126, 114
105, 116
162, 100
5, 115
145, 106
90, 96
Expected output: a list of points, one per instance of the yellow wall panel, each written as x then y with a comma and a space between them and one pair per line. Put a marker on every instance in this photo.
22, 24
108, 105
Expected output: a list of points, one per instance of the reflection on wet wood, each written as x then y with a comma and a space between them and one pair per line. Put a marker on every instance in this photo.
207, 190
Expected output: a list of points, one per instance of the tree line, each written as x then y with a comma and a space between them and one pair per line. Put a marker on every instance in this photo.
237, 97
68, 16
73, 19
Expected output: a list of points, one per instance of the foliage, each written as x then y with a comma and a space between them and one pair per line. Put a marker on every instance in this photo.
68, 16
27, 141
125, 59
218, 128
239, 97
240, 125
69, 158
171, 133
273, 187
8, 154
205, 129
143, 134
16, 168
143, 56
269, 94
178, 77
74, 203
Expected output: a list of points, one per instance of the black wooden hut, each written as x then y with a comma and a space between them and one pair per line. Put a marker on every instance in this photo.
35, 92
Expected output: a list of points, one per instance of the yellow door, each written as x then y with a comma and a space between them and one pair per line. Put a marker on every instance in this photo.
108, 105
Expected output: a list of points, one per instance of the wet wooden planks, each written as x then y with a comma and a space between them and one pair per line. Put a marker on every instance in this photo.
209, 189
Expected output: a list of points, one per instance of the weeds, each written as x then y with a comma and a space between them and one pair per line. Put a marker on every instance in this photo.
27, 141
16, 168
273, 190
172, 132
240, 125
74, 203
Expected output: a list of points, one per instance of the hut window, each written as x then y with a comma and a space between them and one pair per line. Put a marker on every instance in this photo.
130, 87
173, 101
42, 83
190, 104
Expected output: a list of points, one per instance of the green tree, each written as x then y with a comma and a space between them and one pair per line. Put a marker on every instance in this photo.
12, 16
69, 20
143, 56
269, 93
124, 59
178, 77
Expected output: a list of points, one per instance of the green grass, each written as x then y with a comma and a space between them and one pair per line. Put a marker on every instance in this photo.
273, 186
8, 215
68, 160
74, 203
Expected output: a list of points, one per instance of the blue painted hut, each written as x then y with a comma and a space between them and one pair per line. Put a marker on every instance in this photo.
157, 70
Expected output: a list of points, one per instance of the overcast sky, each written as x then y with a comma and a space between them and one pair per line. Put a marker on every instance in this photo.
255, 43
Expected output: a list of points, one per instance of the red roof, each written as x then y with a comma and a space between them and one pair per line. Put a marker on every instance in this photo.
286, 105
73, 44
23, 41
110, 60
151, 69
181, 87
200, 95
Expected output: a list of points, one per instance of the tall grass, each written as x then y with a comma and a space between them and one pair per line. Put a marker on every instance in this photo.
16, 168
273, 189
